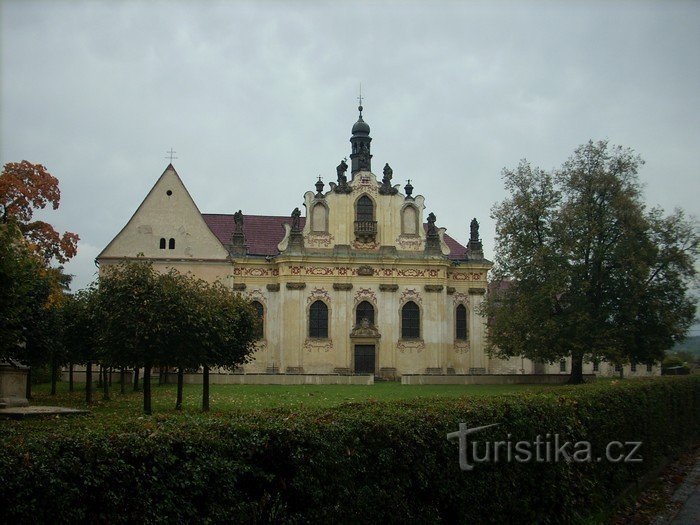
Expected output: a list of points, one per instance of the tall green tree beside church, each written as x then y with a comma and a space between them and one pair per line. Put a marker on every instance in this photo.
583, 269
130, 309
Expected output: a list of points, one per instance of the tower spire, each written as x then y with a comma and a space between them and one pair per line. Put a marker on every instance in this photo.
359, 99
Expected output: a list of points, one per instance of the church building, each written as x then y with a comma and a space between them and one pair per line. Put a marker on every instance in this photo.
364, 281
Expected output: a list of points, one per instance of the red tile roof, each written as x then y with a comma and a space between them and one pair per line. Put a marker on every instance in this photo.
264, 232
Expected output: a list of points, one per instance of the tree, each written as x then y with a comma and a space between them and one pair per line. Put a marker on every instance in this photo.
31, 289
149, 319
589, 272
182, 297
208, 326
226, 331
130, 309
29, 317
25, 187
20, 268
80, 332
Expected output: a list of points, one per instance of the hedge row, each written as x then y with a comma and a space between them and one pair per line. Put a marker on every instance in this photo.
371, 462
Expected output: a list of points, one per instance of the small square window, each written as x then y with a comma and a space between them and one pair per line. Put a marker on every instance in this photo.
562, 365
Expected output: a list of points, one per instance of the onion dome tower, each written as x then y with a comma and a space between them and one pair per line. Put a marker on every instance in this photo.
360, 157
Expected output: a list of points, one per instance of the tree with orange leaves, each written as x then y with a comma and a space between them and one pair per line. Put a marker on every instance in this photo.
24, 188
30, 289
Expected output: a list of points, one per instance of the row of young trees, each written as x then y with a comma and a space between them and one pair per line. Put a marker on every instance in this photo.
140, 318
583, 269
136, 317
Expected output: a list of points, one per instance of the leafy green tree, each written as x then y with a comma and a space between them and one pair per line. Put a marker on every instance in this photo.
30, 288
80, 332
226, 329
583, 270
29, 315
19, 271
130, 308
209, 326
148, 319
182, 310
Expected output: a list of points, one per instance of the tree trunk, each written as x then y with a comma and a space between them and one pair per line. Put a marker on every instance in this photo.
180, 381
205, 390
122, 380
88, 382
136, 379
70, 377
109, 375
28, 392
576, 369
99, 376
147, 390
105, 385
54, 374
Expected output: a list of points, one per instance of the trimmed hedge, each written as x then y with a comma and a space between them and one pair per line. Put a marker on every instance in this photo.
370, 462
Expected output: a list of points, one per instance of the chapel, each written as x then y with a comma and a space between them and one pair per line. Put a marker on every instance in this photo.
364, 281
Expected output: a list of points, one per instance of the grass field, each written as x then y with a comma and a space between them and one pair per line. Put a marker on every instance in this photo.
225, 398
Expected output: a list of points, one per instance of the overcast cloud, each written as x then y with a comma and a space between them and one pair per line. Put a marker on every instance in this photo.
258, 99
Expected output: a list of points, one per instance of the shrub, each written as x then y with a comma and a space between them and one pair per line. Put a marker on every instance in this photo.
368, 462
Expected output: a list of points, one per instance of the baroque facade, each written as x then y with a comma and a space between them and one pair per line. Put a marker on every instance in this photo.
363, 282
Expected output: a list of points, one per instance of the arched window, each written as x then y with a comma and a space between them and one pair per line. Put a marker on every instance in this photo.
171, 244
318, 320
410, 321
162, 243
365, 209
260, 333
461, 322
364, 310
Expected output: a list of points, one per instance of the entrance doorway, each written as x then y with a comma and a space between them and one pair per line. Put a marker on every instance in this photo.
364, 359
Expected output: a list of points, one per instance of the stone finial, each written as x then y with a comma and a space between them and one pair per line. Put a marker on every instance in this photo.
408, 189
319, 188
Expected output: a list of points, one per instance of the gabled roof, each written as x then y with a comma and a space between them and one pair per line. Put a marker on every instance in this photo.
264, 232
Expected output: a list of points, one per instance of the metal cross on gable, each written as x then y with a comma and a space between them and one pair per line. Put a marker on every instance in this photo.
170, 155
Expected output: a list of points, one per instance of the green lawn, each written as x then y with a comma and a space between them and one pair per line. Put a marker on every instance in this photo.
226, 398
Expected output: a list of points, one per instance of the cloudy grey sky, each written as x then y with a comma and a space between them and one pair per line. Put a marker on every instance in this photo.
258, 99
